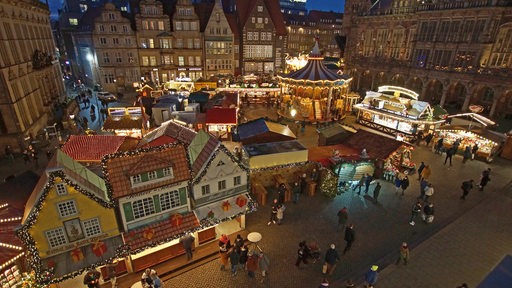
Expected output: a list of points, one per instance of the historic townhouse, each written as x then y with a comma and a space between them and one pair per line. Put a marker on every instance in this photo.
188, 41
154, 39
327, 27
218, 44
453, 53
263, 36
114, 60
30, 76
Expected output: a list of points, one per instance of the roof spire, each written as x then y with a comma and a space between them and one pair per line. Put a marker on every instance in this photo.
315, 52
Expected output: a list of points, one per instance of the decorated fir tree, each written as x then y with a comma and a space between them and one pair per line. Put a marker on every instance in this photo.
328, 183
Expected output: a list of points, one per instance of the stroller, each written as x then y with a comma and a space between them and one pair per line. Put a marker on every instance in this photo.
314, 251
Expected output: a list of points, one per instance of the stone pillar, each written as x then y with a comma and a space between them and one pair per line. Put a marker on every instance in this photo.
497, 96
443, 96
470, 92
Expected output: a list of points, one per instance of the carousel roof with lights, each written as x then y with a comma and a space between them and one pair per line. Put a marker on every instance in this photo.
314, 71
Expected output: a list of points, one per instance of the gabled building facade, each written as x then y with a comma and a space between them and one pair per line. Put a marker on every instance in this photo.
114, 60
69, 223
188, 45
150, 187
219, 44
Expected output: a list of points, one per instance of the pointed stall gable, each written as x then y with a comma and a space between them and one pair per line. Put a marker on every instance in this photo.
201, 149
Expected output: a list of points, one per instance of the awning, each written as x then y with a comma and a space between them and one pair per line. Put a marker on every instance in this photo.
482, 132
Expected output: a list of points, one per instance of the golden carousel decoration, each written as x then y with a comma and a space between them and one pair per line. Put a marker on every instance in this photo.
314, 92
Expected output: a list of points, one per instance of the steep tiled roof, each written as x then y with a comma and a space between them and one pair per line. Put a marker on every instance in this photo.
245, 8
120, 166
203, 11
170, 129
162, 231
201, 149
91, 148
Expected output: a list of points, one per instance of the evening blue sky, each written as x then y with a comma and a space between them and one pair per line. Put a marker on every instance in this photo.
323, 5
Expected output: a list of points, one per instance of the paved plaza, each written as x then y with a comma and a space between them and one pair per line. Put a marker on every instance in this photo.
464, 243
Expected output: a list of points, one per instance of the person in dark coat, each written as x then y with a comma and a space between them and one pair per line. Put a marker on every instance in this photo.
187, 241
331, 258
350, 237
467, 154
371, 276
243, 256
302, 254
416, 208
234, 259
439, 146
281, 192
466, 187
484, 178
474, 150
449, 154
273, 214
428, 138
92, 278
239, 242
404, 184
376, 191
252, 264
367, 182
342, 218
420, 169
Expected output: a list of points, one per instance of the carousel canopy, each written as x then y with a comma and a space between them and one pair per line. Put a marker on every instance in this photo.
315, 70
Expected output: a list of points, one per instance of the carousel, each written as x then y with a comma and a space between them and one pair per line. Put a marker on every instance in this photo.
315, 93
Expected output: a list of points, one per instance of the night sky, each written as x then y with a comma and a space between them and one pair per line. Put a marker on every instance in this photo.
323, 5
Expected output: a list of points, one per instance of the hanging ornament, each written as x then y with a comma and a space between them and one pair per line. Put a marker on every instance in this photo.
99, 248
77, 255
241, 201
148, 233
176, 219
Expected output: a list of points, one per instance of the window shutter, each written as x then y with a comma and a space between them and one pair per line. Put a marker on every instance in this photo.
128, 211
183, 196
156, 200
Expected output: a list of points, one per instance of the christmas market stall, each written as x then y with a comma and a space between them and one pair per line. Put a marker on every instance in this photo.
221, 121
126, 121
263, 131
397, 111
389, 156
314, 93
470, 129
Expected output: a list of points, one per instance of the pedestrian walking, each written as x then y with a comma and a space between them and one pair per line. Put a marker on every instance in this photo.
342, 218
449, 154
423, 187
467, 154
244, 251
112, 273
314, 175
360, 184
428, 138
146, 280
466, 187
157, 283
239, 242
224, 246
296, 192
263, 263
398, 182
404, 254
302, 254
303, 183
325, 283
484, 179
252, 264
281, 192
371, 276
350, 237
9, 153
187, 241
92, 278
376, 191
234, 259
429, 192
428, 213
473, 151
404, 184
439, 146
420, 169
416, 208
280, 213
273, 214
331, 258
425, 173
367, 182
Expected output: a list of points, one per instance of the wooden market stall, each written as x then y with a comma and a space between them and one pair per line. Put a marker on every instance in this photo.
125, 121
398, 112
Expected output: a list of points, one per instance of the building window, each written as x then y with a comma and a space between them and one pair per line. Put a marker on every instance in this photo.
164, 43
221, 185
103, 41
151, 42
102, 28
205, 190
111, 16
119, 59
168, 171
152, 61
197, 43
179, 43
260, 8
170, 200
61, 189
143, 207
190, 61
253, 20
56, 237
137, 179
198, 60
106, 58
115, 41
178, 26
260, 20
193, 26
67, 208
237, 180
161, 26
125, 28
152, 175
73, 21
266, 20
113, 28
181, 61
92, 227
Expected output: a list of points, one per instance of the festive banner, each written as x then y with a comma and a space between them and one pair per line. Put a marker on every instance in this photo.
99, 248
